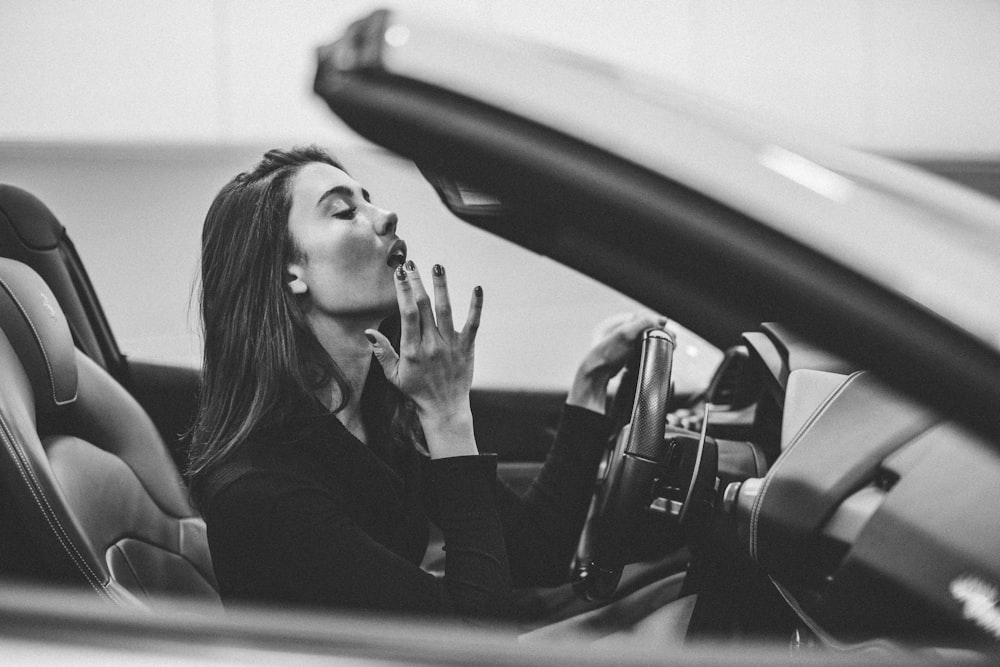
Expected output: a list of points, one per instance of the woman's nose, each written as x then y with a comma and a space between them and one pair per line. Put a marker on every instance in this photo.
386, 223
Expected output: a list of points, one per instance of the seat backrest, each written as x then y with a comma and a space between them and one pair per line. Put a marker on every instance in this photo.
30, 233
87, 481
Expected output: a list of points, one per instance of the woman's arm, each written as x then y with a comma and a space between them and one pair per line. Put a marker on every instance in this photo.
542, 528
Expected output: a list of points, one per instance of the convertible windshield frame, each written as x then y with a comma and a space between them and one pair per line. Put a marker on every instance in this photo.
716, 267
912, 232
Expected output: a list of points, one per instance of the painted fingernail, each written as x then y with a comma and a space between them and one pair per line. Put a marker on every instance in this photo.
477, 290
400, 273
437, 270
371, 338
410, 266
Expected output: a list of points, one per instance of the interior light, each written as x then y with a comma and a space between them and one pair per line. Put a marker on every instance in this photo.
397, 35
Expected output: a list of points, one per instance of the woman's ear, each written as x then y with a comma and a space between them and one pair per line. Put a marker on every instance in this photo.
294, 279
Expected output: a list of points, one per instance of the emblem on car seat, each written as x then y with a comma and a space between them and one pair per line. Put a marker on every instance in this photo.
979, 602
48, 306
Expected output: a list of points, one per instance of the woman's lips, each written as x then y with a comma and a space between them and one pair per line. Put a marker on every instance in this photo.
397, 254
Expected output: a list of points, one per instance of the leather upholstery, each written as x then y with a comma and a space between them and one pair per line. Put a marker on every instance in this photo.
90, 479
30, 233
37, 328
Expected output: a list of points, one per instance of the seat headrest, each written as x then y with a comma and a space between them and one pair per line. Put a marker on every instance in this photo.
37, 329
31, 220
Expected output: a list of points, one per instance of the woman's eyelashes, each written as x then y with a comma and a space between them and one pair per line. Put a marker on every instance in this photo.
346, 213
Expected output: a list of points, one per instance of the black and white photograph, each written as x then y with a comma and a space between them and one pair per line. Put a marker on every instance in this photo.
453, 332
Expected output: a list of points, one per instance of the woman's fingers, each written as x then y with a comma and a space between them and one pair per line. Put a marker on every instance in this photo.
472, 321
421, 298
616, 338
409, 314
386, 356
640, 323
434, 367
422, 321
442, 303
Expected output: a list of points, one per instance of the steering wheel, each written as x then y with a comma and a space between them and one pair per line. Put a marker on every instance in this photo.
649, 468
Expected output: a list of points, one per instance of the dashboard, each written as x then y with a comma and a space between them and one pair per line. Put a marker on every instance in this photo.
874, 519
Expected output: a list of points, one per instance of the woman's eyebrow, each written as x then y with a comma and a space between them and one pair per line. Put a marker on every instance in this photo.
338, 190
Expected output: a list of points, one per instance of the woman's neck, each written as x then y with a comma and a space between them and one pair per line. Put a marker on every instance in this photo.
344, 340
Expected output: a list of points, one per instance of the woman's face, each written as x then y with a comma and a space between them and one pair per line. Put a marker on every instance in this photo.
348, 247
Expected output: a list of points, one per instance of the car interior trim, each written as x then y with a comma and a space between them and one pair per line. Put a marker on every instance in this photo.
807, 389
772, 473
837, 451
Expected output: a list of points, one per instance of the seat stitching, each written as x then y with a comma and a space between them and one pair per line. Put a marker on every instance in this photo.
47, 512
50, 517
111, 593
84, 569
758, 503
38, 339
25, 462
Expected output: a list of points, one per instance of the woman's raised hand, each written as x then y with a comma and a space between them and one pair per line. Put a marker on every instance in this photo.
435, 363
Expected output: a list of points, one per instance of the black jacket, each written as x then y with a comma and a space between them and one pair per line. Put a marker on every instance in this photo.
326, 520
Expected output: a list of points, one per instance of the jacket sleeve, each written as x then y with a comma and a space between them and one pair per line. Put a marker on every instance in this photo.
281, 540
542, 527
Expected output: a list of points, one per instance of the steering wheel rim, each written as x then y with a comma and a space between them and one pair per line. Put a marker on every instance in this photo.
630, 468
650, 467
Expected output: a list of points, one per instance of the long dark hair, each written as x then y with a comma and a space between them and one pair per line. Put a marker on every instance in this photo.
261, 358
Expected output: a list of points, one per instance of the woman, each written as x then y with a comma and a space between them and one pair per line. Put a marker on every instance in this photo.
318, 470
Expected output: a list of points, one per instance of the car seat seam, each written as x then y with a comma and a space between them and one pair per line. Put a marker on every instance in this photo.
31, 482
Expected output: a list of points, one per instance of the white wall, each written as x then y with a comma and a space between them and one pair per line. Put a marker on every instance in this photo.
135, 216
126, 116
900, 75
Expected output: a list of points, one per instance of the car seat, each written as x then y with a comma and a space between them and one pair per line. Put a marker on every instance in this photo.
90, 494
30, 233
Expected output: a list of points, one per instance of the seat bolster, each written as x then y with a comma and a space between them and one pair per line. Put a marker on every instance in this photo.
145, 550
29, 484
106, 415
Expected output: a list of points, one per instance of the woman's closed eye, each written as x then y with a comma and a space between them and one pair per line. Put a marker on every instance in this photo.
345, 213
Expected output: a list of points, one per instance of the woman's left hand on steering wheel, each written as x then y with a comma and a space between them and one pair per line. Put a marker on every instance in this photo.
614, 341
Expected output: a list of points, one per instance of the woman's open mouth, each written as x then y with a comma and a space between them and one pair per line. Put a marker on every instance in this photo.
397, 254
